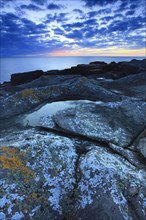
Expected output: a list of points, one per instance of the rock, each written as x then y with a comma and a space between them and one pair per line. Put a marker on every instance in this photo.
109, 187
132, 156
29, 98
122, 69
132, 85
139, 63
20, 78
85, 162
37, 175
112, 122
42, 177
140, 143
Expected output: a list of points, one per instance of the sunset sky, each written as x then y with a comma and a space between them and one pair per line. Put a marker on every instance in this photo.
73, 28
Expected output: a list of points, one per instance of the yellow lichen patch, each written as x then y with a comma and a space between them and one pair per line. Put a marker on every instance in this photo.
12, 159
33, 195
29, 93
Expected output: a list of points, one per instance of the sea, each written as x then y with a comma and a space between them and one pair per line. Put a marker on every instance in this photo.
9, 66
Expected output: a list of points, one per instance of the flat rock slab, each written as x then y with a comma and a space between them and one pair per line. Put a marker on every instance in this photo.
116, 122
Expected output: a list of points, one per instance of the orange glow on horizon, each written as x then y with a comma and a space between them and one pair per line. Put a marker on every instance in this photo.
99, 52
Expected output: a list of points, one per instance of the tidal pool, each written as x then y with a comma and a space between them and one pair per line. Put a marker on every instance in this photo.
50, 109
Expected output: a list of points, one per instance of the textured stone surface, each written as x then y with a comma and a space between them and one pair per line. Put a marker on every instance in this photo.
37, 175
132, 85
85, 162
140, 143
118, 123
108, 187
42, 177
30, 98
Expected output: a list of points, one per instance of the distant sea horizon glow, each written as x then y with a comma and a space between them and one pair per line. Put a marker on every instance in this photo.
11, 65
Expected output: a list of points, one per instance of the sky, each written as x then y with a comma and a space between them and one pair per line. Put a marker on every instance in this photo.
73, 28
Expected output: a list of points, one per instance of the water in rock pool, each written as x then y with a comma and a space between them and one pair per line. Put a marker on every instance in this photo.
49, 109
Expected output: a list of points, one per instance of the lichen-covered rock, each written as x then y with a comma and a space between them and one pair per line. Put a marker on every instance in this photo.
109, 187
115, 122
37, 175
29, 98
132, 156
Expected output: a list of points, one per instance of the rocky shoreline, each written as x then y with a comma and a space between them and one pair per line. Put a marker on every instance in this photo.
87, 161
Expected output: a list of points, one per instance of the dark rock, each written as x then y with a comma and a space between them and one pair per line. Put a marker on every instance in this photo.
140, 143
132, 85
99, 62
20, 78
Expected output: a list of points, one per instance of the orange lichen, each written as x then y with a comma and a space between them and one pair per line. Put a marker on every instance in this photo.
13, 160
33, 195
29, 93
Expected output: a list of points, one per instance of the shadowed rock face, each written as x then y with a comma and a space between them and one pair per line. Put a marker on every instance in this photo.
20, 78
84, 162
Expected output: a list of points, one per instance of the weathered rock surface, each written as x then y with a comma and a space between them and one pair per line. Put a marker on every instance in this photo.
37, 175
26, 99
85, 162
140, 143
42, 177
111, 122
132, 86
109, 187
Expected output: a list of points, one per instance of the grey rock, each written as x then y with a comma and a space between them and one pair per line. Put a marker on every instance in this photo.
29, 98
140, 143
118, 123
130, 155
37, 175
104, 180
132, 85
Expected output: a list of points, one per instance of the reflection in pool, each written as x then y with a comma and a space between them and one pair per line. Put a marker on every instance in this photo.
50, 109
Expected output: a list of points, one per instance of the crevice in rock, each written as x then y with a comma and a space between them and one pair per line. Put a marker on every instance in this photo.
133, 210
72, 135
70, 214
135, 140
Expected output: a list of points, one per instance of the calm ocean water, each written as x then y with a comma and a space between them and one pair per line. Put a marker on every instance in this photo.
9, 66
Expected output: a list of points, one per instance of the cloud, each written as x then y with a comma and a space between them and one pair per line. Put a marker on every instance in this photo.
69, 27
31, 7
91, 3
34, 29
58, 31
60, 18
20, 36
4, 2
75, 34
53, 6
78, 11
92, 14
127, 25
130, 12
40, 2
